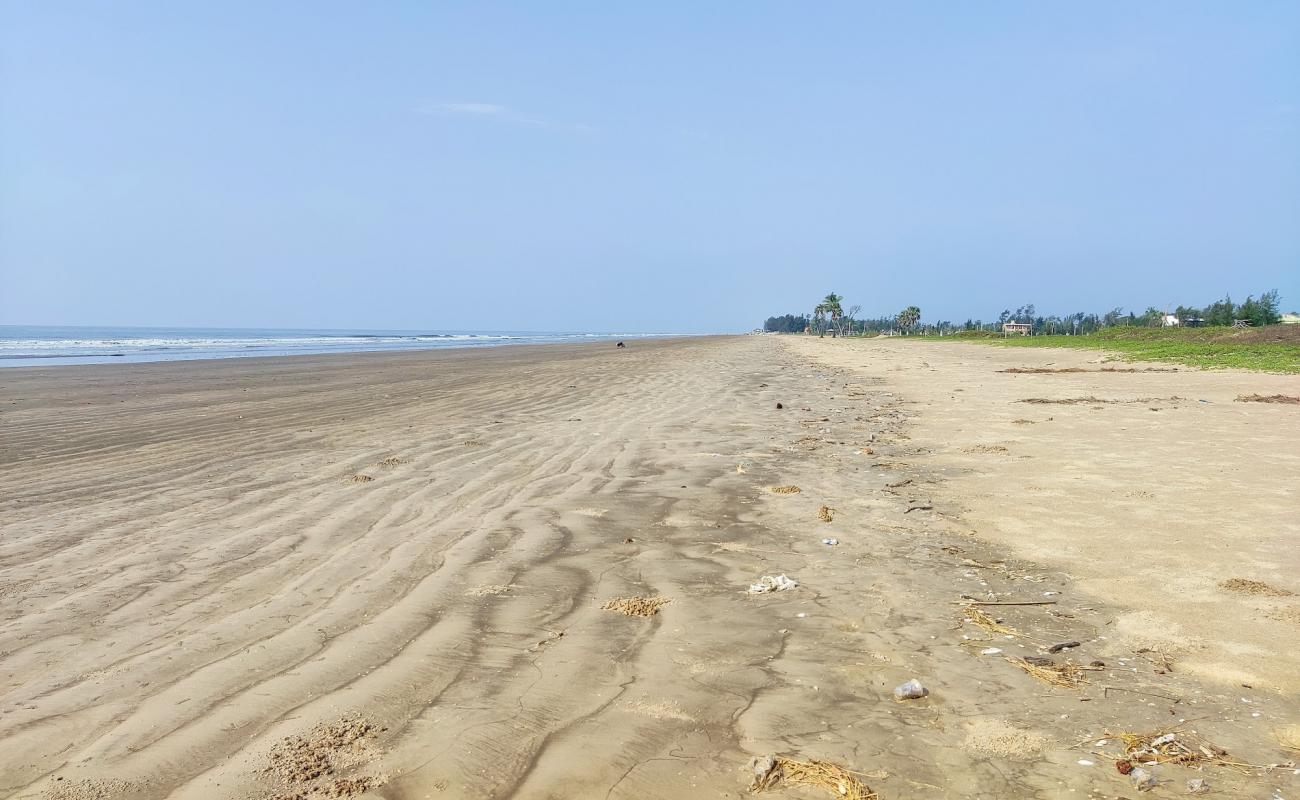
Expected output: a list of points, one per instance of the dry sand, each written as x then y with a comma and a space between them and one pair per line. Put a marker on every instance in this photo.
383, 575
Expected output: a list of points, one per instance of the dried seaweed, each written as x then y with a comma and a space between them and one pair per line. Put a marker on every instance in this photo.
980, 619
1066, 676
773, 771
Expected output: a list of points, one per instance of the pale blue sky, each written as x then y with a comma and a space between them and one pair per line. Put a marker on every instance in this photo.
668, 167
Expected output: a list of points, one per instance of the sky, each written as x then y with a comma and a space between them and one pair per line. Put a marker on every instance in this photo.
667, 166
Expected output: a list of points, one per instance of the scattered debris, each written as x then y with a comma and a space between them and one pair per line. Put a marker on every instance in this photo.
1056, 648
898, 485
1174, 746
910, 509
785, 490
779, 406
773, 770
1066, 676
392, 461
1078, 401
826, 514
636, 606
769, 584
740, 469
629, 540
1039, 370
360, 478
911, 690
1258, 588
1198, 786
1048, 370
990, 651
1268, 398
830, 541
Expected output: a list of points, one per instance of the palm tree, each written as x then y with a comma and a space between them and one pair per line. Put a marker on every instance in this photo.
909, 317
819, 319
831, 305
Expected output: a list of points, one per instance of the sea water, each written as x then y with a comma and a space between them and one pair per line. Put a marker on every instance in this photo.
42, 345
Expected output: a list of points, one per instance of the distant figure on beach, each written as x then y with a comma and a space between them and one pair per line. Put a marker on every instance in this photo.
620, 344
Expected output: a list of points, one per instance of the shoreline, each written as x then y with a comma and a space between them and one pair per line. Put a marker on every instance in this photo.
202, 344
192, 574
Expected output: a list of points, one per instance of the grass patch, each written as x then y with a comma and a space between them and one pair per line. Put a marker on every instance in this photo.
1272, 349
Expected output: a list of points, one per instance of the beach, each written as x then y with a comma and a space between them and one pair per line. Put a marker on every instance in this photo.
384, 575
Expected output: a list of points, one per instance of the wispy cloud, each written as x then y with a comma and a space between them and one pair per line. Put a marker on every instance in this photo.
495, 112
469, 109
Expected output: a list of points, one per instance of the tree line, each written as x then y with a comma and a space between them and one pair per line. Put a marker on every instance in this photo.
829, 317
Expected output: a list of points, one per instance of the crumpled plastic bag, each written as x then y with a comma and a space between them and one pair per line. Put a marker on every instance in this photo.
769, 584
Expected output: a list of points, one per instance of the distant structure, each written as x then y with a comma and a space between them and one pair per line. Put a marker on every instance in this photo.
1170, 321
1016, 328
1290, 319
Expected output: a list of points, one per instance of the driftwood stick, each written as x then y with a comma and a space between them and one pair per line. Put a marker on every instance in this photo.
1106, 689
1005, 602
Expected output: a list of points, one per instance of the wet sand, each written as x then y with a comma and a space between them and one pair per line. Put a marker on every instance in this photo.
382, 575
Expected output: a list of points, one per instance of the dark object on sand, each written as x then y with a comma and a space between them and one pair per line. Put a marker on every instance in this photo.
1124, 766
1268, 398
779, 406
620, 344
1039, 661
1056, 648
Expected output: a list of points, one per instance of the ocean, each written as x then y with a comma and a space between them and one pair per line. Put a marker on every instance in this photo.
43, 345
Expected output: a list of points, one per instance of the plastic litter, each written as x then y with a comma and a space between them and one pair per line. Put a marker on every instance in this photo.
1143, 780
830, 542
910, 690
990, 651
769, 584
1197, 786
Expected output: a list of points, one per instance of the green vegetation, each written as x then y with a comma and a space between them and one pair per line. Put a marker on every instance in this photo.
1272, 349
830, 317
1223, 334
